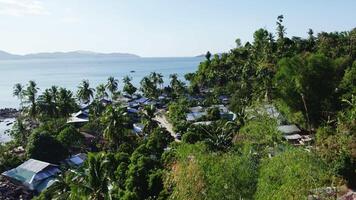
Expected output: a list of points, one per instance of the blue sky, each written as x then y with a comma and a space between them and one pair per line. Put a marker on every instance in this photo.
159, 27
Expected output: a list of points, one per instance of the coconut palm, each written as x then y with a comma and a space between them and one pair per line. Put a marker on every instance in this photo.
112, 85
177, 86
94, 181
54, 92
157, 79
85, 92
101, 92
31, 96
128, 87
115, 121
65, 102
219, 135
61, 188
148, 121
149, 88
19, 92
46, 103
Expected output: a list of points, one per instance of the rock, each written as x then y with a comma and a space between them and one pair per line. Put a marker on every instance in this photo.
8, 113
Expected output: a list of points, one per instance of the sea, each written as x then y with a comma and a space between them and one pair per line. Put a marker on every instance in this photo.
69, 73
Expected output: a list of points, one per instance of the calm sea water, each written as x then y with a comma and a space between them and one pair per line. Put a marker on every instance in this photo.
69, 72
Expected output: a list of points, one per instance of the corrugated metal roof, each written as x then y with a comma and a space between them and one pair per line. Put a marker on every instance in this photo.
289, 129
34, 165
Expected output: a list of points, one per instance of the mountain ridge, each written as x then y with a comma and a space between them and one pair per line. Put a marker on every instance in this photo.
69, 54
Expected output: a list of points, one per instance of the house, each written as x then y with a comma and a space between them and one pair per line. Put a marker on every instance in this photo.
141, 100
138, 128
225, 112
289, 129
79, 117
293, 139
224, 99
33, 174
205, 123
195, 113
105, 101
76, 160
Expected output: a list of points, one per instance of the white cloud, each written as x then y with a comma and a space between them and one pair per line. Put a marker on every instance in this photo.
22, 7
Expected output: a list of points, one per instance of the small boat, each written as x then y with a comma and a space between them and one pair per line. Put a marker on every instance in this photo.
8, 124
132, 71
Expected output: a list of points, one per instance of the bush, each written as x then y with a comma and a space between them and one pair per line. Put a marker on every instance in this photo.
291, 175
44, 147
70, 137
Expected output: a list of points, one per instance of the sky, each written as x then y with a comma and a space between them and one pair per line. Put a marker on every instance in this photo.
159, 28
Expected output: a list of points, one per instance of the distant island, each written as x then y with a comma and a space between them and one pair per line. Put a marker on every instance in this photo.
61, 55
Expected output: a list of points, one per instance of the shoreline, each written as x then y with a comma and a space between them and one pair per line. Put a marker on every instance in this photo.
6, 113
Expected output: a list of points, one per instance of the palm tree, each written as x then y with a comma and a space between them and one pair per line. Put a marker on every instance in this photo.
94, 181
128, 87
61, 188
46, 103
101, 92
54, 92
18, 92
148, 87
31, 94
219, 135
65, 103
157, 79
115, 121
176, 85
85, 92
148, 119
112, 85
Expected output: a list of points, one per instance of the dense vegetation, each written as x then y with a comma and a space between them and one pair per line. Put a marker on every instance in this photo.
311, 82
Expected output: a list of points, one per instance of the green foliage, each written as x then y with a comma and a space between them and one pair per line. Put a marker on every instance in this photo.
85, 92
177, 111
115, 121
291, 175
70, 137
300, 82
8, 159
261, 133
44, 147
201, 175
150, 85
128, 87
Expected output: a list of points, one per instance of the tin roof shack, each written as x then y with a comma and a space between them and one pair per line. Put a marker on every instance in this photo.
291, 133
79, 118
33, 174
76, 160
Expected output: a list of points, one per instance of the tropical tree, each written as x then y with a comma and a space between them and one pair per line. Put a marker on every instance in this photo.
85, 92
46, 104
42, 146
19, 92
112, 85
19, 132
177, 86
115, 120
149, 88
31, 95
128, 87
65, 102
93, 182
101, 92
148, 115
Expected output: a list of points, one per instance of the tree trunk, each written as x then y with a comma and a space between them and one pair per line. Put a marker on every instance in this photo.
306, 111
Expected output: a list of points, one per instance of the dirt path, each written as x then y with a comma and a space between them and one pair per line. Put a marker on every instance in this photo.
161, 118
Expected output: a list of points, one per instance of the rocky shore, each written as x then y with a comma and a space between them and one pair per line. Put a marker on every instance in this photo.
8, 113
